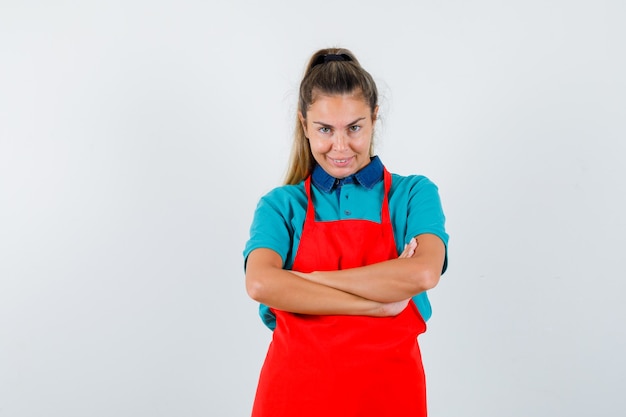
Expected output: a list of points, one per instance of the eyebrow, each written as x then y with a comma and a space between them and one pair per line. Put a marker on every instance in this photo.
349, 124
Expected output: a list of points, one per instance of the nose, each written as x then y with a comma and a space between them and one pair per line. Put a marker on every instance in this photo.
341, 141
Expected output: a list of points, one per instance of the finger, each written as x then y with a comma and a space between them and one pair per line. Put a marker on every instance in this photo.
405, 252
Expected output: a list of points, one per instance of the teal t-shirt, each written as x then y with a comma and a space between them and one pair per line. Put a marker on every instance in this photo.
414, 208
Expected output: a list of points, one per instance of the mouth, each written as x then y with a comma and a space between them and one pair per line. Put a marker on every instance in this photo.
340, 163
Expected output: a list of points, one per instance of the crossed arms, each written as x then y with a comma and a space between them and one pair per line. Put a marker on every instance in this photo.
382, 289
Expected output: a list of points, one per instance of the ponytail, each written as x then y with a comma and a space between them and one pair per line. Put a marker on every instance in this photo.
333, 71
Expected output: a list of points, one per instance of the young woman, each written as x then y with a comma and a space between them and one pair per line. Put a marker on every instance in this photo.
340, 258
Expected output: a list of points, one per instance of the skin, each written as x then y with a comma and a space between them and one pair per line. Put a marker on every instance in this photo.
340, 130
268, 283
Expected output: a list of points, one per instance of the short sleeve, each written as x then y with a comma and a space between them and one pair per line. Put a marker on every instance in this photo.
276, 217
424, 212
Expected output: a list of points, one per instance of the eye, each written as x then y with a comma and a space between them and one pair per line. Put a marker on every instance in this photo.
324, 129
355, 128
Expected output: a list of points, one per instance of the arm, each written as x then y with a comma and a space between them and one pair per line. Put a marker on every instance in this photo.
393, 280
268, 283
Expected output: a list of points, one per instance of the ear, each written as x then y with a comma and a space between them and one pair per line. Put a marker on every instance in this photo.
303, 123
375, 114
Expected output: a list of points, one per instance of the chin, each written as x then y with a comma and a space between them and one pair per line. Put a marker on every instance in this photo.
341, 173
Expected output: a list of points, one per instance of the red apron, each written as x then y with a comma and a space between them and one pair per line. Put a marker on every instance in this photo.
343, 366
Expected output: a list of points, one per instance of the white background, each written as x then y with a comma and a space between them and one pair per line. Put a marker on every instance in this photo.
137, 136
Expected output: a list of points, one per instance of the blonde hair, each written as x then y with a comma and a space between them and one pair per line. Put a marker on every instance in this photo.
330, 71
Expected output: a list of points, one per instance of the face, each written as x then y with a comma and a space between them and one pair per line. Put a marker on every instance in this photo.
340, 130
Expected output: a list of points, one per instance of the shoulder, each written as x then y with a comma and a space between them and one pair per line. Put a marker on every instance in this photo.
278, 214
415, 204
282, 208
412, 184
284, 198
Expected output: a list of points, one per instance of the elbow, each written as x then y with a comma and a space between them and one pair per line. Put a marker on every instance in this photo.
431, 280
255, 288
425, 280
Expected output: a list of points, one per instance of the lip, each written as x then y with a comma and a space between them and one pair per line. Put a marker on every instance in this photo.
340, 162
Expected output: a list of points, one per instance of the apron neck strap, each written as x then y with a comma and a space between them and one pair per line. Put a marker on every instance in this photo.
384, 216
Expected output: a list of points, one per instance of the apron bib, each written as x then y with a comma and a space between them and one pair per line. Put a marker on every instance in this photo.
343, 366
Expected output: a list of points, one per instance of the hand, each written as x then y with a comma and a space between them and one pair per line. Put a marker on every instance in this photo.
409, 249
392, 309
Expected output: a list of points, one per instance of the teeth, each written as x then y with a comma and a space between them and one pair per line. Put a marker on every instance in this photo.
340, 160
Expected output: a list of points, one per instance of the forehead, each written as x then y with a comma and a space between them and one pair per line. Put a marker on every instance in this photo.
338, 107
318, 94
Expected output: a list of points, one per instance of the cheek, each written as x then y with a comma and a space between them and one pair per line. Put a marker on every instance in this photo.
363, 142
319, 146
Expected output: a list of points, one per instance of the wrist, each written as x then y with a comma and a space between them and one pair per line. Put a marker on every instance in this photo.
376, 309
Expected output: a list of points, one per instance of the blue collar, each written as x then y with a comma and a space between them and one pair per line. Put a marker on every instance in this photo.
368, 176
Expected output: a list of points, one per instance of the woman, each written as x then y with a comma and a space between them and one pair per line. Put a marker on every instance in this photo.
340, 258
